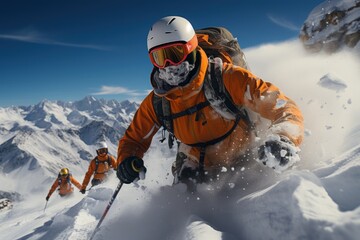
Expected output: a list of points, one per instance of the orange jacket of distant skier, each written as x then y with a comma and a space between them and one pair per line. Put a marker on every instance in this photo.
65, 185
102, 169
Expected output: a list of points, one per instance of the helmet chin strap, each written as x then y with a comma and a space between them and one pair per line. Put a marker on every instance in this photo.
174, 75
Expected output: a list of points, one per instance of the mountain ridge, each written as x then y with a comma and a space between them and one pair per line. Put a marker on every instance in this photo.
33, 136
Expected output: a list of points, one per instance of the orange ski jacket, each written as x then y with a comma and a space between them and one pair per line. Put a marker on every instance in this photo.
101, 170
64, 184
245, 89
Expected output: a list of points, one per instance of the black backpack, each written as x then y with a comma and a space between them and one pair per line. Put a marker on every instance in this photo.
219, 42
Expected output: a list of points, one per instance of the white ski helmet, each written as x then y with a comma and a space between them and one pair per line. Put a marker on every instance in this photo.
101, 145
171, 29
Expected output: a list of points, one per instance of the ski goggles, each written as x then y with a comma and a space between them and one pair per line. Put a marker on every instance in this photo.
102, 150
174, 53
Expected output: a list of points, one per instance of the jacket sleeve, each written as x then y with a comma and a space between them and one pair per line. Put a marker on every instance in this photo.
88, 174
75, 182
53, 187
138, 136
267, 100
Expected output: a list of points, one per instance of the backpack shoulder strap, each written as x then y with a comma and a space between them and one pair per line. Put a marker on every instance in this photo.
96, 164
108, 160
163, 112
217, 94
68, 178
59, 179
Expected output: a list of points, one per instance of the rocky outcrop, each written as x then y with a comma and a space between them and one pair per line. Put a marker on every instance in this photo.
331, 26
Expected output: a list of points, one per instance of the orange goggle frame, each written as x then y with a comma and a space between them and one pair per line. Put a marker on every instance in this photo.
174, 53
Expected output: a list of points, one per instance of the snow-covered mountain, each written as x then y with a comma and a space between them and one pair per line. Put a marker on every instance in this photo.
43, 138
332, 25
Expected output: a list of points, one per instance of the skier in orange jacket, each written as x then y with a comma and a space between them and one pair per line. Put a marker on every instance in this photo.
64, 182
99, 167
180, 67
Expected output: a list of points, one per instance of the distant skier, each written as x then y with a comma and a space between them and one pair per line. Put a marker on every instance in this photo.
209, 140
64, 181
99, 167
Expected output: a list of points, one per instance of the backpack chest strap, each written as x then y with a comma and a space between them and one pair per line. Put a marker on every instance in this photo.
187, 111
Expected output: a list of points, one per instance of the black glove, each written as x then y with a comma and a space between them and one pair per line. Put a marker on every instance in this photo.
280, 149
83, 191
129, 169
47, 198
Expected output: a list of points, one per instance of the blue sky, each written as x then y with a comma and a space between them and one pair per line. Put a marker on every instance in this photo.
66, 50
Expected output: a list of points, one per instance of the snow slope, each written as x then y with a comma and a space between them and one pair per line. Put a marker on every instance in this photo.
317, 199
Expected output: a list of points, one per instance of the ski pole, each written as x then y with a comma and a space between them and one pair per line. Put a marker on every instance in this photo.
45, 205
107, 208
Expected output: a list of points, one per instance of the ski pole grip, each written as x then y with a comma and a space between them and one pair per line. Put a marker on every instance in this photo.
137, 164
